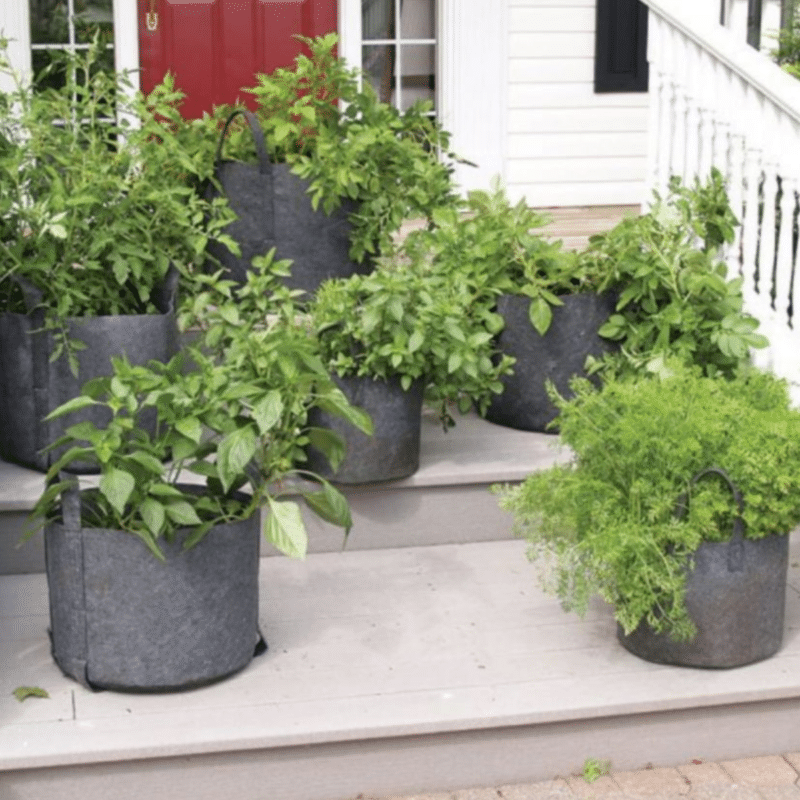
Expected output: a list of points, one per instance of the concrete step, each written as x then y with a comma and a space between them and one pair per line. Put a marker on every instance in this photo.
446, 501
390, 672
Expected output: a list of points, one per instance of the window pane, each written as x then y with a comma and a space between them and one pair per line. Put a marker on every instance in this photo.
49, 22
378, 65
377, 19
417, 19
92, 16
418, 64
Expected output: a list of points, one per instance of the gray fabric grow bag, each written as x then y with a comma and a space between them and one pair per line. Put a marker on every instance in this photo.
121, 619
557, 356
393, 451
735, 595
274, 210
31, 386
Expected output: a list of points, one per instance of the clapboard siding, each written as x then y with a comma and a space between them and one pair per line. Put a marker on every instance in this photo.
566, 145
576, 145
576, 120
535, 45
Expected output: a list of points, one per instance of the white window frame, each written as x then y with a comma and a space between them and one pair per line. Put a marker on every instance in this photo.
15, 25
472, 92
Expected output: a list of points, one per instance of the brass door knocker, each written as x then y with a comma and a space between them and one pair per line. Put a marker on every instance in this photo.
152, 17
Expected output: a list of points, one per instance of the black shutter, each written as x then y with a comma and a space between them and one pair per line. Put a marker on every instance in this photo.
620, 55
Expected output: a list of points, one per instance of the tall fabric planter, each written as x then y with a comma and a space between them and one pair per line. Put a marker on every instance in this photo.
31, 385
735, 595
274, 210
121, 619
557, 356
392, 452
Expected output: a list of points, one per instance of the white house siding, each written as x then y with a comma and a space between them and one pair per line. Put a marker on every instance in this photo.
566, 145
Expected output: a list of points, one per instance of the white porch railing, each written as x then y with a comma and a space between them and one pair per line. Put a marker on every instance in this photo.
717, 102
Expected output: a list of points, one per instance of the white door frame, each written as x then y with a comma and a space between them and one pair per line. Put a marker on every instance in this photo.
472, 79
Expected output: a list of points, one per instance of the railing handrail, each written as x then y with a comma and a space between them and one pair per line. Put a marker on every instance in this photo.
759, 72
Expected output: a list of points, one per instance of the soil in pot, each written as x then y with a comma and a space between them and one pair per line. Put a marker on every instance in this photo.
392, 452
557, 356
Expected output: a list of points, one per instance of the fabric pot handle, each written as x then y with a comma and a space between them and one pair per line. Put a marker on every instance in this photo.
264, 164
736, 542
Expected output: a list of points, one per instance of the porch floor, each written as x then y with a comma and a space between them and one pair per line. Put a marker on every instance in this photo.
388, 672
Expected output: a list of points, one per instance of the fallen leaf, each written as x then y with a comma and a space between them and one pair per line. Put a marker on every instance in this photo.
24, 692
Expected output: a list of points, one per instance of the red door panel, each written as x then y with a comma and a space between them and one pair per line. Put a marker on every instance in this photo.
215, 47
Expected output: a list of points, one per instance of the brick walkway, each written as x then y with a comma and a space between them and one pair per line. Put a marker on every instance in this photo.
762, 778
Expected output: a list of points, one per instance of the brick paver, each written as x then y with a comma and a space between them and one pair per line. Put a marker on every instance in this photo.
760, 778
779, 792
730, 791
602, 787
794, 760
657, 781
546, 790
761, 771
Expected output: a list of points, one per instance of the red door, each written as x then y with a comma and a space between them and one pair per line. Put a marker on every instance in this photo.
215, 47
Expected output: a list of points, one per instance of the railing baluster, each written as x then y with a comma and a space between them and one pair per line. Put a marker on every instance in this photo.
716, 102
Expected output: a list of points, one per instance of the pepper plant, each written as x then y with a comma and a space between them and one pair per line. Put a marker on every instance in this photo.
675, 297
94, 210
232, 414
325, 121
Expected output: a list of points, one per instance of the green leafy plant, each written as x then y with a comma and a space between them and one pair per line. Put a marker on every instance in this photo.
94, 208
787, 53
595, 768
675, 299
414, 322
329, 125
232, 412
605, 524
495, 248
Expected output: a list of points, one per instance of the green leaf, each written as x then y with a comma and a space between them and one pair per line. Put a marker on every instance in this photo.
331, 505
540, 314
182, 513
285, 529
148, 462
76, 404
154, 515
24, 692
336, 403
117, 485
415, 341
234, 453
191, 428
329, 443
454, 362
267, 412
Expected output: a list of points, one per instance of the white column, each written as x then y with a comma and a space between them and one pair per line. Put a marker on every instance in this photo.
126, 37
350, 32
473, 75
16, 27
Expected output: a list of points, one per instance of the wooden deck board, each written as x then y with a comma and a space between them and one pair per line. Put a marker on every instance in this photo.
371, 645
